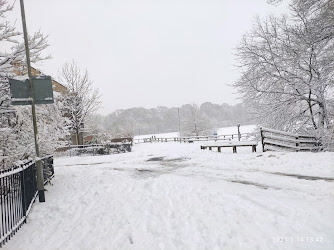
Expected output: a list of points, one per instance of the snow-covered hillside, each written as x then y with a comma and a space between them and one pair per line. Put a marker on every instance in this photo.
176, 196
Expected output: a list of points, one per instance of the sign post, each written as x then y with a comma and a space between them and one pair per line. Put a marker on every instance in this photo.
39, 167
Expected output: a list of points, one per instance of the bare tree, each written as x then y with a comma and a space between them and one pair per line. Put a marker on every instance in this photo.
287, 67
83, 99
194, 122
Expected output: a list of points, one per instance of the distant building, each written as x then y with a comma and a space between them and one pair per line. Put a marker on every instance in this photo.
21, 70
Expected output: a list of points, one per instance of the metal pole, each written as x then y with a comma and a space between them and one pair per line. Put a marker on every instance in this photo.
39, 168
178, 113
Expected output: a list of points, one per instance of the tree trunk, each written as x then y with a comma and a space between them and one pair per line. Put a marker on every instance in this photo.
77, 135
311, 110
322, 116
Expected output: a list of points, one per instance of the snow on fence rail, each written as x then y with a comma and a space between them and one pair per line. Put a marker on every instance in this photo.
295, 142
18, 191
193, 138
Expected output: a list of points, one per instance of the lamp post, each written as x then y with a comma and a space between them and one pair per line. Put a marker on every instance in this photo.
39, 167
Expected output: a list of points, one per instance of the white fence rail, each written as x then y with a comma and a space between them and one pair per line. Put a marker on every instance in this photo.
230, 137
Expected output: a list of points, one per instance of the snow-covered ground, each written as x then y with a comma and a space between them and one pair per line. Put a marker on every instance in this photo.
176, 196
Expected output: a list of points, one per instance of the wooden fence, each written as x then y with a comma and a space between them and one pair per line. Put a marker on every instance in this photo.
284, 140
193, 138
18, 191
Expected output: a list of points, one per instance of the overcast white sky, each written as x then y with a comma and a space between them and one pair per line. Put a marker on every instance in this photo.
146, 53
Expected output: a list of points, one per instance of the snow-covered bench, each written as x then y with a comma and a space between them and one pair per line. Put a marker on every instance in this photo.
233, 144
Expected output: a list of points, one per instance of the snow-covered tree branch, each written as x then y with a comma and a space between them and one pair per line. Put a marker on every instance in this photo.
83, 99
287, 66
16, 132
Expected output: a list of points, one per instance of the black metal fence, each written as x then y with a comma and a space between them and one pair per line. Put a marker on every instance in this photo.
18, 191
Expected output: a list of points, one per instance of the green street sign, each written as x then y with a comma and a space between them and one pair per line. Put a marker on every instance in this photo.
43, 91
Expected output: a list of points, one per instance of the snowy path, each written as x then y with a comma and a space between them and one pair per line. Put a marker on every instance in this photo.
176, 196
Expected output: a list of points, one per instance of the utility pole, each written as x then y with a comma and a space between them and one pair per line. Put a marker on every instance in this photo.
178, 113
39, 167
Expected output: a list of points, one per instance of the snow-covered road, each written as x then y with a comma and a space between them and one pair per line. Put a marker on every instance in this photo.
176, 196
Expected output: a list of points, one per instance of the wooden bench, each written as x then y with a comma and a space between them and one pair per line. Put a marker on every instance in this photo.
233, 144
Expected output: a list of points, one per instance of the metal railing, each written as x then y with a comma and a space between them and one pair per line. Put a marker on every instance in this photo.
18, 191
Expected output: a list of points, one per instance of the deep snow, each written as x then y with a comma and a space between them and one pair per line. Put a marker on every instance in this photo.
176, 196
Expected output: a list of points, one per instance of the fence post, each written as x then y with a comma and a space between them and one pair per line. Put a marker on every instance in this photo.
297, 143
23, 195
262, 138
239, 135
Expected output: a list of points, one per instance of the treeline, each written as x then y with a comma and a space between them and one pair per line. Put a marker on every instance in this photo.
138, 121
